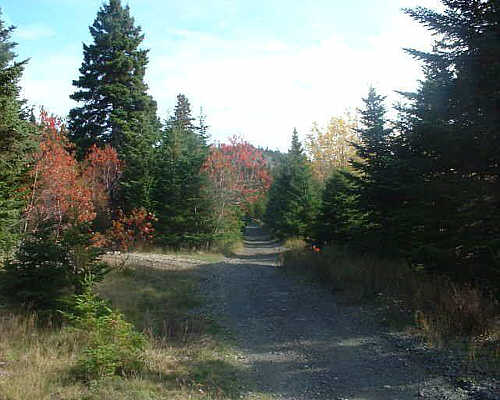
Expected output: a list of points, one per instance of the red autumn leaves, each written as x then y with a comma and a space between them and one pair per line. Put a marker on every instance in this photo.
66, 192
59, 191
238, 172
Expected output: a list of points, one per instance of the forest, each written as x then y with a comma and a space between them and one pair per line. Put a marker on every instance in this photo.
420, 190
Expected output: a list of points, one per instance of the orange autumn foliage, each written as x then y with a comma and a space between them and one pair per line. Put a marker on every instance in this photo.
128, 231
68, 193
58, 192
238, 172
102, 170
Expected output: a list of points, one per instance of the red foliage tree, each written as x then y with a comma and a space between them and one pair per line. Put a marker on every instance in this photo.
128, 231
102, 170
238, 172
58, 192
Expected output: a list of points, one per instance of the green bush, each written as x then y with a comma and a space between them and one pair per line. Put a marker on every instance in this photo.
114, 347
46, 269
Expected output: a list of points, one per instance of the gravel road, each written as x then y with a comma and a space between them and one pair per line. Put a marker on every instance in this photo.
300, 344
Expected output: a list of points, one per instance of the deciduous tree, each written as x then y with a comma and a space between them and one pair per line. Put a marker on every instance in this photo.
58, 192
331, 148
239, 176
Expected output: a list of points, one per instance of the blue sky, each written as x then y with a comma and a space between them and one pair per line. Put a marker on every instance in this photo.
258, 68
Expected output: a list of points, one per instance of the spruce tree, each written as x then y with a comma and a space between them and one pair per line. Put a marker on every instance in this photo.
448, 149
374, 181
293, 197
16, 142
116, 108
181, 199
6, 44
340, 219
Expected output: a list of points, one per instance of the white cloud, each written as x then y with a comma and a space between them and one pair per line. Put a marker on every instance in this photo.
34, 32
247, 89
48, 82
258, 88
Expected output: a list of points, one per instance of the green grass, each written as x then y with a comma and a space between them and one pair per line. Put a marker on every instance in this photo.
188, 356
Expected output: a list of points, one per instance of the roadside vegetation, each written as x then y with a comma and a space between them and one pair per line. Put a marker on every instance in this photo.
366, 193
406, 210
441, 311
166, 349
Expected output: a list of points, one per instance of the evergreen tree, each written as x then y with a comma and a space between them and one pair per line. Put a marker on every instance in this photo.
448, 150
293, 197
181, 198
116, 108
339, 220
375, 180
15, 143
6, 44
374, 137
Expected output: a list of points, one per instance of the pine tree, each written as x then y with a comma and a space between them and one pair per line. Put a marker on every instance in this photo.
181, 197
16, 142
116, 108
293, 197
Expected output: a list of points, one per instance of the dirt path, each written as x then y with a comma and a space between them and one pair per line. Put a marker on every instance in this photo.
300, 344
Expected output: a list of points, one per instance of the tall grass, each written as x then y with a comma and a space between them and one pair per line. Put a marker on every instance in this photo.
443, 310
295, 243
186, 356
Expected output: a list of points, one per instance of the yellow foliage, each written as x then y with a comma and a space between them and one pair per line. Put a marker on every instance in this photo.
331, 148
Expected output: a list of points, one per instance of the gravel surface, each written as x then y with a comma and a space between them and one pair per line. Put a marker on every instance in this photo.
300, 344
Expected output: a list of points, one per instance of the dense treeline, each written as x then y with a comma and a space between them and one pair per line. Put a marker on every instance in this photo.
114, 178
425, 186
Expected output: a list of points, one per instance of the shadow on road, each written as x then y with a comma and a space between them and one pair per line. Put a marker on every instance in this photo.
298, 343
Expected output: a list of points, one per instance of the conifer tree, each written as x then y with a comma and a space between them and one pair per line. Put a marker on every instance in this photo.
448, 150
16, 142
116, 108
293, 197
339, 219
374, 181
181, 197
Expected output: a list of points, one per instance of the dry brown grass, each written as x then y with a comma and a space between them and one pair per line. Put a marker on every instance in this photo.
295, 244
443, 311
36, 361
188, 356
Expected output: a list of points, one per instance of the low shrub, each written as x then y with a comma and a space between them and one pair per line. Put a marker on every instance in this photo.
113, 346
47, 268
295, 243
